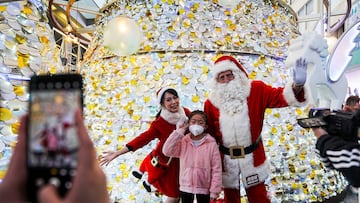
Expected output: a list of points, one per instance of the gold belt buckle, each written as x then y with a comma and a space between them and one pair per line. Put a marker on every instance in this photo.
242, 152
155, 161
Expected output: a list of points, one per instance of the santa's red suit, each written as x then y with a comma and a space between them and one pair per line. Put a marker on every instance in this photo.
236, 113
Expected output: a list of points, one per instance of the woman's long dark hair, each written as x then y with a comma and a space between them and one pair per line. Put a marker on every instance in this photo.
171, 91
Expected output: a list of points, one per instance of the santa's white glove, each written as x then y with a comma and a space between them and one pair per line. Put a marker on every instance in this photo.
299, 72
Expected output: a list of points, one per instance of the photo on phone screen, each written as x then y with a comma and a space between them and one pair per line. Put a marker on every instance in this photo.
52, 141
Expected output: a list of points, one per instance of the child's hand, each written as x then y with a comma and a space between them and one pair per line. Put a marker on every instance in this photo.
184, 126
181, 122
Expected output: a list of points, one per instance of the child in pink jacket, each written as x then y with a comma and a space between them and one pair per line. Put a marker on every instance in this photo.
200, 161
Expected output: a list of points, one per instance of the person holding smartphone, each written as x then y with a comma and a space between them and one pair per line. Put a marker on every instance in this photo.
339, 154
163, 171
352, 104
89, 184
200, 160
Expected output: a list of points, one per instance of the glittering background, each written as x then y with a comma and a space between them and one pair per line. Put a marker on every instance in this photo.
27, 47
181, 41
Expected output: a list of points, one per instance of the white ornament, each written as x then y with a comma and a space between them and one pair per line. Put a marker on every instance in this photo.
122, 36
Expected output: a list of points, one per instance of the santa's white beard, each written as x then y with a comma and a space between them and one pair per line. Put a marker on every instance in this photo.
232, 96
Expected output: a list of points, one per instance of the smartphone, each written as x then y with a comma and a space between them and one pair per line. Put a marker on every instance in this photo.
52, 140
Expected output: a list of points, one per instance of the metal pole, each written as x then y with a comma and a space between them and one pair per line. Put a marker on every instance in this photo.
78, 57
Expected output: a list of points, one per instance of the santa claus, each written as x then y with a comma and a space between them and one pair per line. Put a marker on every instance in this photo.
236, 107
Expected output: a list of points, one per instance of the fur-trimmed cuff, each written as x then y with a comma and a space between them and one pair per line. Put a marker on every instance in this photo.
290, 96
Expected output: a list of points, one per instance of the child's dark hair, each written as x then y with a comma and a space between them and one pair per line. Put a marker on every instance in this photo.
199, 112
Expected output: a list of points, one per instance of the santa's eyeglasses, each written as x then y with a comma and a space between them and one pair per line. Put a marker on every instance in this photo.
225, 77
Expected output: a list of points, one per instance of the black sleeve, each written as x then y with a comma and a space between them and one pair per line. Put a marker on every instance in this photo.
342, 155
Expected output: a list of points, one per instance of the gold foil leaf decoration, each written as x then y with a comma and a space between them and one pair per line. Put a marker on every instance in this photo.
20, 39
19, 90
185, 80
156, 77
274, 181
136, 117
109, 187
191, 16
205, 69
124, 130
121, 138
289, 127
178, 66
268, 111
15, 127
195, 98
252, 75
53, 69
23, 59
147, 48
5, 114
132, 197
133, 82
274, 130
44, 39
147, 99
27, 10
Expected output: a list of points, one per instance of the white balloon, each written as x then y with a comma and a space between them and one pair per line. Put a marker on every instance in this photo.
122, 36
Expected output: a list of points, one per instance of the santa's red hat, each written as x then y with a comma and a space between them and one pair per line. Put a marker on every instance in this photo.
225, 63
160, 92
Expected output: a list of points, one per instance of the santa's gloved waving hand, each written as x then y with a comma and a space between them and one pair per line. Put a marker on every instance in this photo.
299, 72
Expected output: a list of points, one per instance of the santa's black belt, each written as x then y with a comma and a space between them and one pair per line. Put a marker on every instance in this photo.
237, 152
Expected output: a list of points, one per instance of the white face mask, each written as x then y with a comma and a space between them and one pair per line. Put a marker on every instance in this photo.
196, 129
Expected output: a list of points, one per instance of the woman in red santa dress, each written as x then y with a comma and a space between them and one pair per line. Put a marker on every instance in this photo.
163, 171
235, 107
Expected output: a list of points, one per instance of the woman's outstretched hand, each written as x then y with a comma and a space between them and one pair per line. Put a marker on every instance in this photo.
107, 157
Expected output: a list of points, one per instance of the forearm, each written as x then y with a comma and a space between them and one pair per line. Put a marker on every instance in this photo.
172, 144
297, 88
339, 153
122, 151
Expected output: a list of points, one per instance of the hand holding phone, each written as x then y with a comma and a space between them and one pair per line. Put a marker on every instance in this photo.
89, 185
52, 140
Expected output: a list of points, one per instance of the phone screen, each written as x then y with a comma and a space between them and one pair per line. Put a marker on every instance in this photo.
52, 141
